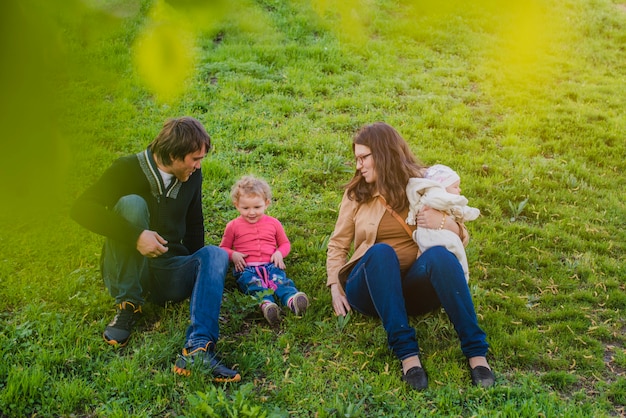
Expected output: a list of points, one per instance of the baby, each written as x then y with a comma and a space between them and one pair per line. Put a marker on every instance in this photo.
440, 189
257, 244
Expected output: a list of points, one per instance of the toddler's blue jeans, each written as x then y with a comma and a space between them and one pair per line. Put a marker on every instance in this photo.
252, 282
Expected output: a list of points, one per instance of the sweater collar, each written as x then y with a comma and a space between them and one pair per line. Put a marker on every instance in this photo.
151, 171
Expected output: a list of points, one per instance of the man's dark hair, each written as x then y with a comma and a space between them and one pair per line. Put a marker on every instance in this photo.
179, 137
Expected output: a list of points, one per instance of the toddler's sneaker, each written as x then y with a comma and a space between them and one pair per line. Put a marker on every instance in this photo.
298, 303
271, 312
119, 329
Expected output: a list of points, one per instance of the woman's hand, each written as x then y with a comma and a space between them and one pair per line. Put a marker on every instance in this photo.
429, 218
341, 305
435, 219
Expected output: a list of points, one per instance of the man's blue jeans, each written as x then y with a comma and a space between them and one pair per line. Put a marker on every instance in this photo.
129, 276
376, 287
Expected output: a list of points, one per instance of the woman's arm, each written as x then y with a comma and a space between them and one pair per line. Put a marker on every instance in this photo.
339, 246
340, 240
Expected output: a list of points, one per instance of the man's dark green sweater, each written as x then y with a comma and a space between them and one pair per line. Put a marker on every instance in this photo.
175, 212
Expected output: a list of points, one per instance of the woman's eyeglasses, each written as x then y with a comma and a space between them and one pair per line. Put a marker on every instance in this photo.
361, 158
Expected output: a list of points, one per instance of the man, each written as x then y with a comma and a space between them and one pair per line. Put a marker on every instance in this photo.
149, 208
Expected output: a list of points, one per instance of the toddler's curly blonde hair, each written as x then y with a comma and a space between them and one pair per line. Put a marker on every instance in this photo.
250, 185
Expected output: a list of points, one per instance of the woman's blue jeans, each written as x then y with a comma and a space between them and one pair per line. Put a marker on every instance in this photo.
200, 276
376, 287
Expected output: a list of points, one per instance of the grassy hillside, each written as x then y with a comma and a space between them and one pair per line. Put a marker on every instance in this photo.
525, 102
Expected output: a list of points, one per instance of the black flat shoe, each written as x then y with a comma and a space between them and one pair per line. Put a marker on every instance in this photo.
416, 378
482, 376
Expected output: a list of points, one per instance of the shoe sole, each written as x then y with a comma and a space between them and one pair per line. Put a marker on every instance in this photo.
184, 372
181, 371
300, 305
114, 343
272, 315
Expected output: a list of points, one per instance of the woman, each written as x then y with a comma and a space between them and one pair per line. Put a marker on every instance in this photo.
386, 277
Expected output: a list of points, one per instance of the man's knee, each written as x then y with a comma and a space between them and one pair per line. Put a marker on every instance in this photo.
215, 256
134, 209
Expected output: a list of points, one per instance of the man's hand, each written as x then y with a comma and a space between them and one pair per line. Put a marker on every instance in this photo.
150, 244
239, 261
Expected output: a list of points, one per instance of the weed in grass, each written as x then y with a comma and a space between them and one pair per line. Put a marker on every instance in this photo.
216, 403
516, 210
341, 408
342, 321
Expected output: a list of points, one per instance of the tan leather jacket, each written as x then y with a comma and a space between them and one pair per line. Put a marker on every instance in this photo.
367, 217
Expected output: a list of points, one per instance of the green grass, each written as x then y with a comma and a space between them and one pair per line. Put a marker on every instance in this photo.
525, 102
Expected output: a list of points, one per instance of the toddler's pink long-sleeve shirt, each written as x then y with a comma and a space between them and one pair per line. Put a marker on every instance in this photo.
259, 240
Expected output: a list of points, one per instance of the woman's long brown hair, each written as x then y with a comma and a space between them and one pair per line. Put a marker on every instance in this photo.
394, 164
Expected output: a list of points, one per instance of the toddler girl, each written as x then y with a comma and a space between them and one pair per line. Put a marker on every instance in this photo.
257, 244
